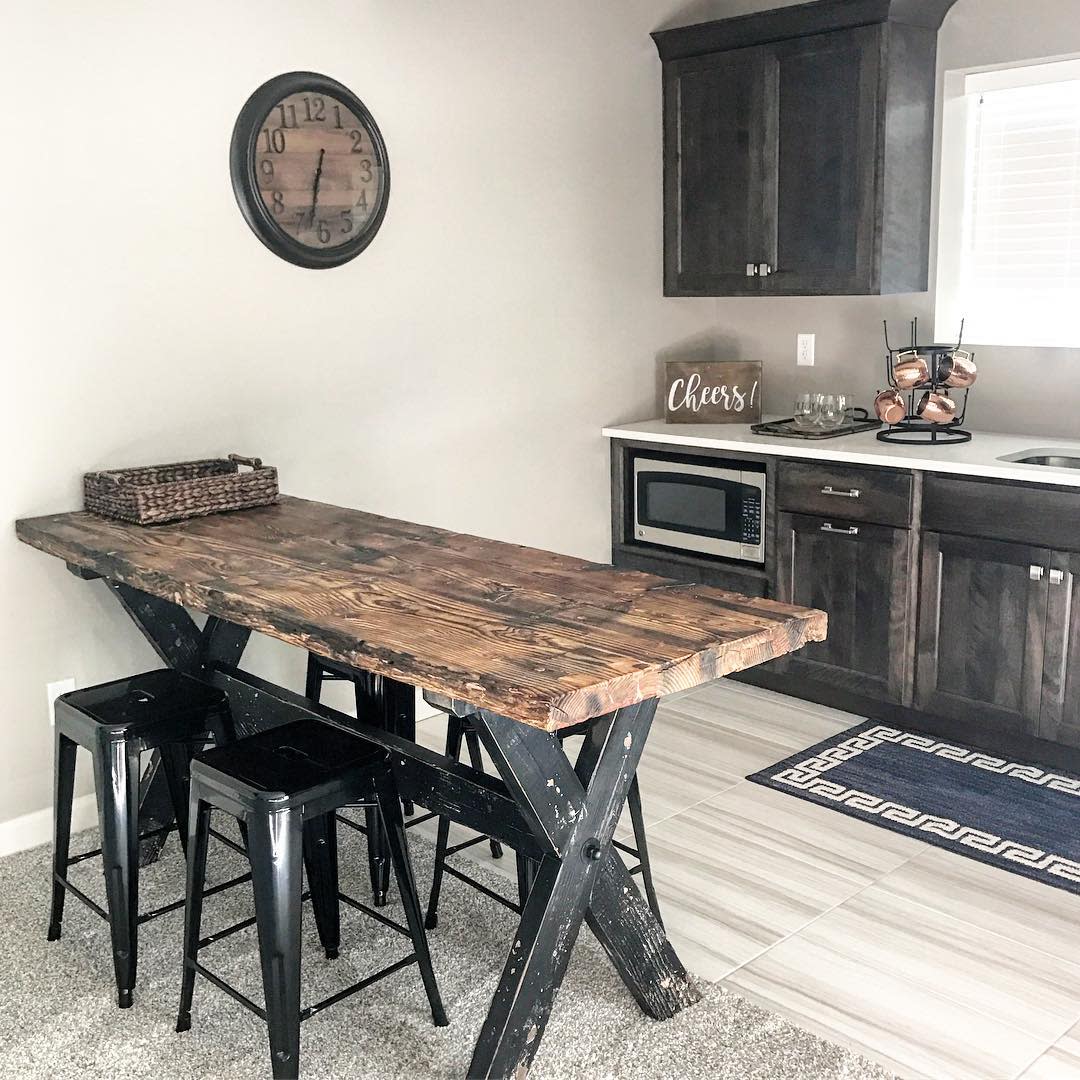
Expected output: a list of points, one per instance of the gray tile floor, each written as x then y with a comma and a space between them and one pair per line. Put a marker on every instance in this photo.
933, 964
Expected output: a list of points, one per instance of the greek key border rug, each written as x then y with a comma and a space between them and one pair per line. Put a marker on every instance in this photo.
1009, 814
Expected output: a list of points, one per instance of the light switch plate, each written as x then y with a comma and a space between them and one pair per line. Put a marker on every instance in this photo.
53, 690
804, 350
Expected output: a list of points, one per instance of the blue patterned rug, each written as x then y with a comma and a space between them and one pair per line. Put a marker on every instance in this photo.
1009, 814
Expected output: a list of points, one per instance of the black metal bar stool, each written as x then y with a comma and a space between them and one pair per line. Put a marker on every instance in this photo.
397, 717
117, 721
458, 725
287, 784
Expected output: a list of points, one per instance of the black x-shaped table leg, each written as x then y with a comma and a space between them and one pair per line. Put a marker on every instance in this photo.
572, 812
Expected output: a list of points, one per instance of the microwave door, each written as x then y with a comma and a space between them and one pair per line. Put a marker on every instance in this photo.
694, 508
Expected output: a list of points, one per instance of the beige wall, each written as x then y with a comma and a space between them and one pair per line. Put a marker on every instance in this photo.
457, 373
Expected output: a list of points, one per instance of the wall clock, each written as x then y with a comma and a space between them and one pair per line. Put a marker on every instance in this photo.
309, 169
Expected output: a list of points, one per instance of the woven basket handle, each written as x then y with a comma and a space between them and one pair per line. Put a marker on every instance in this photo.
253, 462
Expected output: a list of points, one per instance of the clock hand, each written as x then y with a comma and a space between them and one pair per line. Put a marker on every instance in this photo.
315, 187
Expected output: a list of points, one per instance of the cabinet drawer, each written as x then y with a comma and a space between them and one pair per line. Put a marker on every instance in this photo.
851, 492
1002, 511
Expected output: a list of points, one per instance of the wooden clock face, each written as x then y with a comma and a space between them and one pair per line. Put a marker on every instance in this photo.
310, 170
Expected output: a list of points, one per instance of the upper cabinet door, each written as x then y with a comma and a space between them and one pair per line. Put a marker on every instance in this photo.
826, 89
719, 173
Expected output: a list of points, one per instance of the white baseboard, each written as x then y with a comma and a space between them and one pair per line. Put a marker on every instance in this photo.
30, 830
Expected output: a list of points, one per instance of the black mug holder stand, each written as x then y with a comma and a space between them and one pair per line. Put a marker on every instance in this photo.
913, 430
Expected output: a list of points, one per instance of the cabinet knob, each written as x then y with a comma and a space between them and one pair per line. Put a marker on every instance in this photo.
1035, 573
1057, 577
751, 269
764, 269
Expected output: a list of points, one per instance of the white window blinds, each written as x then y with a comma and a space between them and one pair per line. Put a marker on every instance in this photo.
1020, 264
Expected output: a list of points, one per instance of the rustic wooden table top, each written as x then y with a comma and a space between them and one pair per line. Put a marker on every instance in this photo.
543, 638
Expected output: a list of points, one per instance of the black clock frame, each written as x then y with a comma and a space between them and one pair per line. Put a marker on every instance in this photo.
242, 167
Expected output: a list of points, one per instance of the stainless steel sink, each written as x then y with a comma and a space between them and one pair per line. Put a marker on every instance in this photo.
1051, 457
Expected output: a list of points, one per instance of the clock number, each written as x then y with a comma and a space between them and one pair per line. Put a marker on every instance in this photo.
357, 141
315, 108
337, 116
266, 169
291, 115
366, 174
277, 202
347, 221
300, 215
323, 232
275, 140
361, 203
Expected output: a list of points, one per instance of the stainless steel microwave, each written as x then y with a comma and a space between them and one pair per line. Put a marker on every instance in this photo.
711, 507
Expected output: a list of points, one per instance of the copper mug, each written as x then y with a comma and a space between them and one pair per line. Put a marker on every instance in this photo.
937, 408
910, 370
957, 369
889, 406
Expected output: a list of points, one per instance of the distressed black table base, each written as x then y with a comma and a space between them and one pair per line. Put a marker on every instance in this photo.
559, 814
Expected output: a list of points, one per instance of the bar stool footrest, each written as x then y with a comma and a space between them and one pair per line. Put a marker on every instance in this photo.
481, 887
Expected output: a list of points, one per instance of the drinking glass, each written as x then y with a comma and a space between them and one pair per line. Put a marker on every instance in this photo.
806, 411
832, 411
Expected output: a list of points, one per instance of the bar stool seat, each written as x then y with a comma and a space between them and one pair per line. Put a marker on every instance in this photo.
286, 785
164, 711
460, 726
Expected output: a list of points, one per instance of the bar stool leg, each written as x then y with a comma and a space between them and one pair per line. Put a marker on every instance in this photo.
176, 764
275, 844
197, 843
455, 727
314, 679
526, 875
386, 792
637, 818
64, 788
321, 861
472, 741
378, 865
116, 774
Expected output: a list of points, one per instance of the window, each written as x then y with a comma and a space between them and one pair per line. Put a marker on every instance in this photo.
1009, 245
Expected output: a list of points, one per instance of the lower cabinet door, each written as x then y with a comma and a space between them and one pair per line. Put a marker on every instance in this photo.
1060, 716
981, 631
860, 575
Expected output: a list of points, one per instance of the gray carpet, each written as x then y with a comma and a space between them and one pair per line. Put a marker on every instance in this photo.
58, 1018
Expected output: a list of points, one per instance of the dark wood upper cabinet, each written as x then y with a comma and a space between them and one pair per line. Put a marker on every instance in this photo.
798, 147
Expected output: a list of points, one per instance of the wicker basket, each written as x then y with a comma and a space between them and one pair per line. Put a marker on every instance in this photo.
159, 493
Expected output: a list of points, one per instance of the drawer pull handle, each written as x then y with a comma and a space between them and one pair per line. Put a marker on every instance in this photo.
852, 531
852, 493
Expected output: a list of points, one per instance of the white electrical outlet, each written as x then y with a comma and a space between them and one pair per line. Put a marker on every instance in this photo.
804, 350
53, 690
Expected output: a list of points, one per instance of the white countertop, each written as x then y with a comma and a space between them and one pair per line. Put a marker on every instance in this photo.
980, 457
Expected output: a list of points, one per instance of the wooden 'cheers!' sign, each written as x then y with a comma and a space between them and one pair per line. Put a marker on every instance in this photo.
712, 392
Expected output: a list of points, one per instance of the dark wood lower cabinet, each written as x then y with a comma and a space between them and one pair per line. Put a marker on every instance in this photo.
981, 631
954, 604
859, 575
1059, 718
